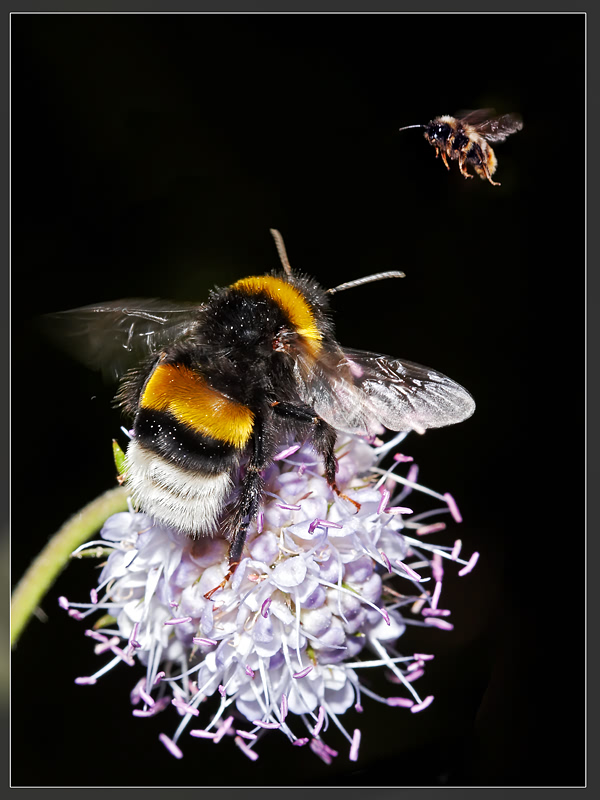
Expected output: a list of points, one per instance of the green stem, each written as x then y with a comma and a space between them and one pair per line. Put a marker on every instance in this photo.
44, 570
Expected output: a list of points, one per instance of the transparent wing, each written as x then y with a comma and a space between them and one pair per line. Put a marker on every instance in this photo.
493, 128
357, 392
113, 336
469, 117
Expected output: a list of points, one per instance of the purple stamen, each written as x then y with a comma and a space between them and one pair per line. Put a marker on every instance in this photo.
402, 459
185, 707
410, 571
414, 676
320, 749
358, 708
320, 720
301, 742
355, 745
301, 469
94, 596
222, 691
132, 641
456, 550
178, 621
425, 529
75, 614
402, 702
420, 706
398, 510
285, 453
247, 751
123, 656
204, 640
286, 507
269, 726
436, 594
470, 564
423, 657
249, 671
265, 607
323, 523
63, 602
385, 496
284, 707
413, 474
148, 712
246, 734
223, 728
303, 673
386, 560
436, 612
170, 745
135, 695
107, 645
436, 568
260, 521
385, 615
453, 507
198, 733
85, 681
439, 623
159, 677
173, 604
99, 637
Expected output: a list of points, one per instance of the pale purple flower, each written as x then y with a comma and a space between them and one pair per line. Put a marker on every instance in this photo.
323, 593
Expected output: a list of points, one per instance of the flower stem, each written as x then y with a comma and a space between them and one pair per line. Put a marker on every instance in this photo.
44, 570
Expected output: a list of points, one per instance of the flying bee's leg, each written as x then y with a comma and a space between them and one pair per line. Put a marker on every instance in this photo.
462, 165
486, 174
323, 439
445, 160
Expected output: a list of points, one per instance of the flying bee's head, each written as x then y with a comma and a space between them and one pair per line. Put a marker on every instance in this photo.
438, 130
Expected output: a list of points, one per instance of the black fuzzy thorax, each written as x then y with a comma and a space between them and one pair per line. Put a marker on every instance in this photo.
232, 346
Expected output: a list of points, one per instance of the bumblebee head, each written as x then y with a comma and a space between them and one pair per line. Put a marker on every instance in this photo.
437, 132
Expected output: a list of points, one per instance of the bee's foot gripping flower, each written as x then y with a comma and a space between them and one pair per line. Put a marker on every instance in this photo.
324, 592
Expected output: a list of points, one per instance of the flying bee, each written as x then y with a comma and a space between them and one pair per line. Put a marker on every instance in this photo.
467, 139
214, 388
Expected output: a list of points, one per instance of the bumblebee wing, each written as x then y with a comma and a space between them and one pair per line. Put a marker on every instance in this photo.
474, 118
492, 128
113, 336
357, 392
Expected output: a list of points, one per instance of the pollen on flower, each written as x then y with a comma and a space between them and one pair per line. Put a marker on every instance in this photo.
325, 591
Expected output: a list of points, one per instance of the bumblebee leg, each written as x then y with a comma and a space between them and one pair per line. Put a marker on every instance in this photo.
247, 505
323, 439
444, 159
462, 165
486, 174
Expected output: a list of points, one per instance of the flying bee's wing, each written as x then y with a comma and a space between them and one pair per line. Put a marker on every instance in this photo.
493, 128
358, 392
113, 336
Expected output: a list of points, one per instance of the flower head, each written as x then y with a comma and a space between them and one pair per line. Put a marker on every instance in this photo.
324, 591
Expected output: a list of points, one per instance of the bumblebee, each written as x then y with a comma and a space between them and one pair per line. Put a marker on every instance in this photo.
214, 388
467, 139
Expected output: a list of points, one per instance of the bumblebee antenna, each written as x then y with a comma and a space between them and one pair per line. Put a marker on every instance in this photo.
410, 126
281, 250
379, 276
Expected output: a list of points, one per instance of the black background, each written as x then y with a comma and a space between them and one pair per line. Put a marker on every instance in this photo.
150, 157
